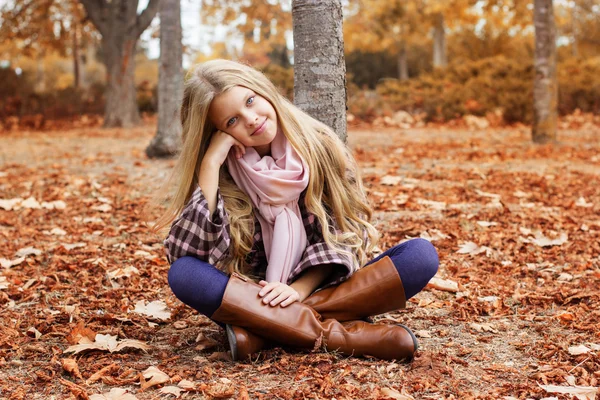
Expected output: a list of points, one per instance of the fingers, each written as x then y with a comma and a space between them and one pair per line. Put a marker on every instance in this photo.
276, 293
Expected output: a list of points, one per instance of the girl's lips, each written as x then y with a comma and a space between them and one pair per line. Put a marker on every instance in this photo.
260, 129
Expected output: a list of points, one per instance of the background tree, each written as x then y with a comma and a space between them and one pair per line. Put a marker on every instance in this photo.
545, 85
40, 27
319, 67
170, 82
120, 26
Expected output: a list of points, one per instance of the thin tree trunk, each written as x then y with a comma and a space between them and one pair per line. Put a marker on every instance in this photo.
545, 87
440, 58
76, 60
402, 63
574, 41
170, 82
319, 66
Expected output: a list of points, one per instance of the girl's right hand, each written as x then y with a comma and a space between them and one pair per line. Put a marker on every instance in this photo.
220, 145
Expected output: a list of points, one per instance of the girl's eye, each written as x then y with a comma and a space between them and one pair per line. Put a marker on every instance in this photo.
231, 121
250, 100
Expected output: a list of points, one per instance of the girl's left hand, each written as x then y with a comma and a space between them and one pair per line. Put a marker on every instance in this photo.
276, 293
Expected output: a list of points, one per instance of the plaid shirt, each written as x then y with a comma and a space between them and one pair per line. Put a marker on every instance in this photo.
194, 233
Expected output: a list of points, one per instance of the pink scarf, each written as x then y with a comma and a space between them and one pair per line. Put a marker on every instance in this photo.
274, 184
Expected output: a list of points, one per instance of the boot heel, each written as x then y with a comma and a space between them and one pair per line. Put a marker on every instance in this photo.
414, 338
232, 342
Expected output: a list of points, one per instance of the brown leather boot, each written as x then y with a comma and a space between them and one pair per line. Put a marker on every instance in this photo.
372, 290
299, 325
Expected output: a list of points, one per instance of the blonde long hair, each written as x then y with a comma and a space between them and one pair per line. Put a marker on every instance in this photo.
334, 192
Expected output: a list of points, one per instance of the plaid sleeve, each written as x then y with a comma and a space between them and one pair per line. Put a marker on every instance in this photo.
318, 252
195, 233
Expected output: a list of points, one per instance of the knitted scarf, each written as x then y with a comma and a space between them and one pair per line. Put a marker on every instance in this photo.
274, 184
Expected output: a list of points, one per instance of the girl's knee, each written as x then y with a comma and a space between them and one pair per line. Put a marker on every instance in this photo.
179, 274
427, 255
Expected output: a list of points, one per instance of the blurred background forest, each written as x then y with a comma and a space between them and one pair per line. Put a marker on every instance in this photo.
437, 60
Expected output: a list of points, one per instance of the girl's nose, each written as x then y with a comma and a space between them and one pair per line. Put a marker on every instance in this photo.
251, 119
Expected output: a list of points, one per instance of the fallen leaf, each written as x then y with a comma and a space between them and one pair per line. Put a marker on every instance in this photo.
34, 333
483, 327
114, 394
58, 204
155, 310
80, 332
581, 392
70, 365
155, 377
436, 205
55, 231
390, 180
423, 333
107, 343
394, 394
486, 224
30, 202
473, 249
5, 263
174, 390
433, 235
582, 203
102, 208
28, 251
187, 385
543, 241
75, 389
10, 204
3, 283
577, 350
71, 246
106, 371
489, 195
443, 284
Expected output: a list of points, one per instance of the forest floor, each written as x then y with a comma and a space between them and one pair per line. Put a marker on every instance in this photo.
517, 227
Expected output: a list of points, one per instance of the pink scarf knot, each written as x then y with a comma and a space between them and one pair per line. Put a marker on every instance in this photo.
274, 184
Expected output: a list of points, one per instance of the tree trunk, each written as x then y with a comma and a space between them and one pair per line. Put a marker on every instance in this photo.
440, 59
545, 87
170, 82
319, 66
402, 63
76, 60
120, 27
574, 21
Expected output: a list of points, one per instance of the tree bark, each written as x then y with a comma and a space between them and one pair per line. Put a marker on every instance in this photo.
167, 141
545, 86
440, 58
319, 66
402, 63
120, 27
76, 60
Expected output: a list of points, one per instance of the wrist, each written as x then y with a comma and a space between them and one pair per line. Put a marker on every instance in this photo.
303, 292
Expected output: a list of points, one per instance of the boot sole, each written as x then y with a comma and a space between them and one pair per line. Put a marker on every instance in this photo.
233, 342
412, 335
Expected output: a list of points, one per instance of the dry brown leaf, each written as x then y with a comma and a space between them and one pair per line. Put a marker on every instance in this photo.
156, 310
187, 385
70, 365
155, 377
6, 263
578, 350
77, 390
79, 332
581, 392
394, 394
443, 284
3, 283
114, 394
243, 394
102, 373
174, 390
107, 343
28, 251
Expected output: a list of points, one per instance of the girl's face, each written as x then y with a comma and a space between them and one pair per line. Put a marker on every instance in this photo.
246, 116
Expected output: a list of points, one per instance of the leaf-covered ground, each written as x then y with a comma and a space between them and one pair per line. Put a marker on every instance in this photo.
517, 227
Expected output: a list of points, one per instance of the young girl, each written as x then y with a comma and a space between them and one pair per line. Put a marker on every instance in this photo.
267, 193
